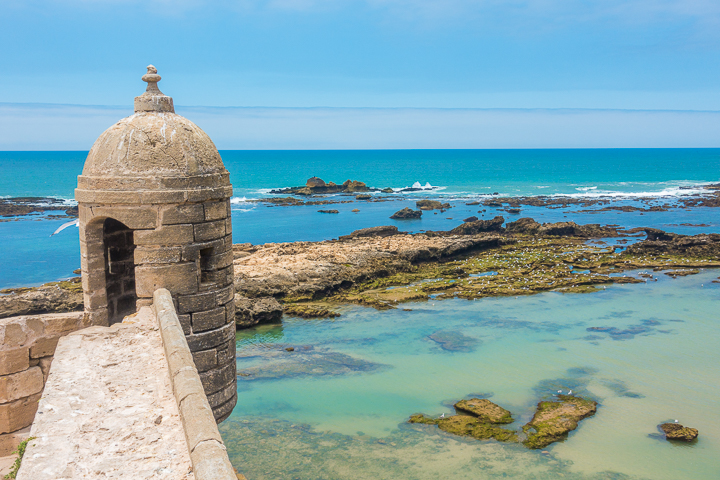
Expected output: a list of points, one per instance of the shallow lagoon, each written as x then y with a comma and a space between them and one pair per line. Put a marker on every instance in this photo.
661, 362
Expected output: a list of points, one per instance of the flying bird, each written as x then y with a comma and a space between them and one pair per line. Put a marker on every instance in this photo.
62, 227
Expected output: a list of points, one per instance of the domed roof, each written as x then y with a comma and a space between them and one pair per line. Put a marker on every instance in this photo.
153, 142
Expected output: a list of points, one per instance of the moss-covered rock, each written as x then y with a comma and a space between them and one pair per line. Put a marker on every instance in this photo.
485, 410
675, 431
553, 420
308, 311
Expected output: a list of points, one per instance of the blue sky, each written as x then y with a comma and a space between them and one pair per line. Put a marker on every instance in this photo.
428, 55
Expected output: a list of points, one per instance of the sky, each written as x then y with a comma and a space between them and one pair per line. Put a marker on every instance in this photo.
328, 73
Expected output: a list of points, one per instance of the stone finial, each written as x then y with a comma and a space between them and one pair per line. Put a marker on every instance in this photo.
153, 100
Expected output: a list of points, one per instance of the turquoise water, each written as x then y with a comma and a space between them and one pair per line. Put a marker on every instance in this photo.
509, 172
459, 175
351, 425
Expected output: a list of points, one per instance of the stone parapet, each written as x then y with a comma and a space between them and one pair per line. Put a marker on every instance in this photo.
207, 451
27, 347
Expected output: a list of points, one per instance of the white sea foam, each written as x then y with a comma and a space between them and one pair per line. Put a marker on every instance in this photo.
239, 200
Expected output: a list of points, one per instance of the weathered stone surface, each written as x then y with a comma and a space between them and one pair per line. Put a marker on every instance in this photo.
181, 279
675, 431
208, 320
196, 303
44, 347
253, 311
19, 385
14, 360
218, 378
216, 211
106, 389
10, 441
145, 255
133, 216
205, 360
432, 205
211, 339
18, 414
165, 235
188, 213
209, 230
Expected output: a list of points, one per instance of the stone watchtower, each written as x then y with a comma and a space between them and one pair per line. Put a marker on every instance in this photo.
154, 204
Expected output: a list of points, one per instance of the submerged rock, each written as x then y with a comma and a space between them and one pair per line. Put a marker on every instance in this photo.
553, 420
302, 362
453, 341
675, 431
467, 425
485, 410
406, 213
328, 211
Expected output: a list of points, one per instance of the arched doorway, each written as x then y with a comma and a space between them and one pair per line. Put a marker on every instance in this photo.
119, 270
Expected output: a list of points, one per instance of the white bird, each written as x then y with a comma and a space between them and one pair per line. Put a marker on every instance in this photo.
570, 392
443, 416
62, 227
676, 421
559, 391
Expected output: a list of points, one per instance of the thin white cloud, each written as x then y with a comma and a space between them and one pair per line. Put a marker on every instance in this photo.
61, 127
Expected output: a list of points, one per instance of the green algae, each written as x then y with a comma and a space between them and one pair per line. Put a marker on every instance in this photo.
553, 420
529, 266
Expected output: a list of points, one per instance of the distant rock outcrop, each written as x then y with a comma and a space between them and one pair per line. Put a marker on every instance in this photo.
406, 213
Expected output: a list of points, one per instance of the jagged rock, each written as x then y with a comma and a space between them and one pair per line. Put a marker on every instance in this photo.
253, 311
363, 196
350, 186
524, 225
432, 205
561, 229
485, 410
675, 431
466, 425
554, 419
383, 231
387, 190
328, 211
471, 219
406, 213
479, 226
315, 182
53, 297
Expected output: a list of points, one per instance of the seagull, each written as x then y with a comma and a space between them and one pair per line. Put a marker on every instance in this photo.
62, 227
443, 416
570, 392
559, 391
676, 421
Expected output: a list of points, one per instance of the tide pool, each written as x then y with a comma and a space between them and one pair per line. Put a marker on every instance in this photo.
659, 363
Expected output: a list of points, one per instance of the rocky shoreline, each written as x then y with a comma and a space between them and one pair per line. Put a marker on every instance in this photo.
383, 268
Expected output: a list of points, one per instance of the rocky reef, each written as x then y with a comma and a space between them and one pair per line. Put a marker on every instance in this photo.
18, 206
318, 186
406, 214
553, 420
480, 419
432, 205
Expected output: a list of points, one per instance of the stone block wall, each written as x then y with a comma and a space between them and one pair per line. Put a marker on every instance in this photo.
27, 346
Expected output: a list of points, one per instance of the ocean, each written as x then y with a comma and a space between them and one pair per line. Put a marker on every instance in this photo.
455, 176
349, 423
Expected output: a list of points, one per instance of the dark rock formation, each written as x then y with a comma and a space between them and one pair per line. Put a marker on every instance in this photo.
11, 207
254, 311
659, 242
54, 297
471, 219
675, 431
528, 226
479, 226
406, 213
383, 231
363, 196
553, 420
315, 186
328, 211
432, 205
